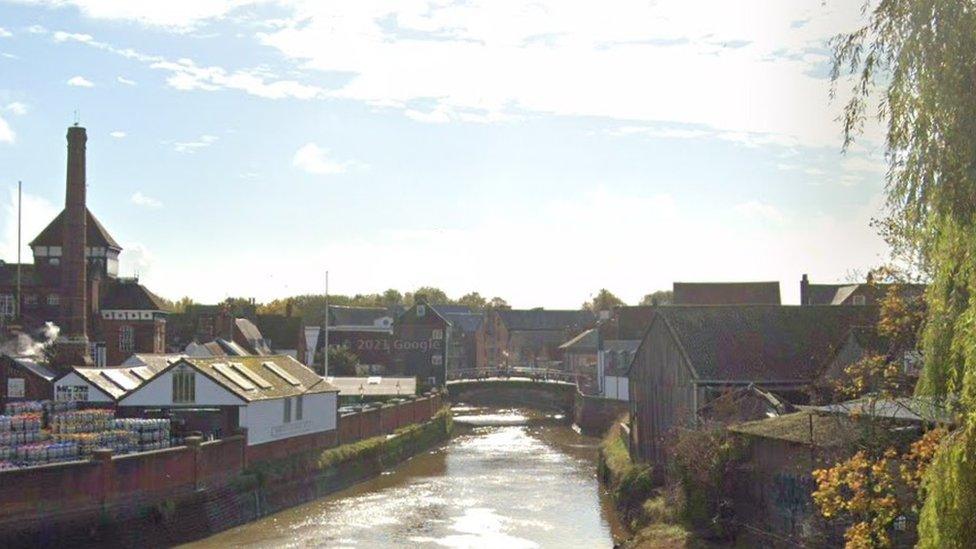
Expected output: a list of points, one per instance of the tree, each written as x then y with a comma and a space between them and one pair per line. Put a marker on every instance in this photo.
603, 301
473, 300
342, 361
434, 296
392, 298
498, 303
917, 58
659, 297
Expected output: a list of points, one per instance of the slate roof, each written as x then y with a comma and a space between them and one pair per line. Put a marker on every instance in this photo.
253, 336
340, 315
96, 235
761, 343
586, 342
726, 293
632, 321
542, 319
282, 331
31, 364
829, 294
468, 323
128, 295
374, 386
277, 387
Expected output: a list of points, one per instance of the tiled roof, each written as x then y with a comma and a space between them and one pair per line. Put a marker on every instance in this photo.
542, 319
283, 331
356, 316
253, 336
802, 428
53, 235
466, 322
588, 341
632, 321
761, 343
128, 295
726, 293
226, 372
116, 382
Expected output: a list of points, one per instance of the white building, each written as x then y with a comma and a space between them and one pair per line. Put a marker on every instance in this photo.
613, 361
273, 397
108, 385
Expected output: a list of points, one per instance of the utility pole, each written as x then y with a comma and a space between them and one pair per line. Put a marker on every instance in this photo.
20, 207
326, 347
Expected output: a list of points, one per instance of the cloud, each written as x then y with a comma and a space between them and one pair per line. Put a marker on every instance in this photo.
7, 134
80, 81
4, 33
118, 134
316, 160
859, 163
178, 15
140, 199
187, 75
124, 80
190, 147
61, 36
16, 108
755, 209
136, 260
37, 213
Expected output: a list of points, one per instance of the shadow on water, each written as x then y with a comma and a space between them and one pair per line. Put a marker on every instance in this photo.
509, 478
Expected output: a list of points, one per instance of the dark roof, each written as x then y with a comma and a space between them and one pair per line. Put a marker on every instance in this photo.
128, 295
468, 323
446, 309
356, 316
253, 336
588, 341
632, 321
541, 319
282, 331
726, 293
53, 234
840, 294
828, 294
802, 428
761, 343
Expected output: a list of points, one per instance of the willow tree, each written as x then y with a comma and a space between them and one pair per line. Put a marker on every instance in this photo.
916, 59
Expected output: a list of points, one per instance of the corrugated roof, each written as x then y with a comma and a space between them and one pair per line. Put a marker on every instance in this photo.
762, 343
117, 382
726, 293
96, 235
223, 369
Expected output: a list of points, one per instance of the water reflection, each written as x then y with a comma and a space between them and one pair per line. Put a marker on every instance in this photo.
510, 478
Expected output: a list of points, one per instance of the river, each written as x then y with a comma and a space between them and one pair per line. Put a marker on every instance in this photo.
508, 479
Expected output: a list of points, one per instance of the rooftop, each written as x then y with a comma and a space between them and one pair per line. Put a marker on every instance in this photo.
726, 293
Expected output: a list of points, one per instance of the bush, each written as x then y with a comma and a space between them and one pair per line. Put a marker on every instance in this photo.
702, 470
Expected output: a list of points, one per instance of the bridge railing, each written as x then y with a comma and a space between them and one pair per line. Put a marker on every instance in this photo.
535, 374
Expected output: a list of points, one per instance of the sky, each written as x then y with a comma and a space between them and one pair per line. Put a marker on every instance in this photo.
536, 151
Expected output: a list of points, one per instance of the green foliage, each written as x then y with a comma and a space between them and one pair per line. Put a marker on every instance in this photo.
604, 301
659, 297
473, 300
342, 361
703, 468
923, 54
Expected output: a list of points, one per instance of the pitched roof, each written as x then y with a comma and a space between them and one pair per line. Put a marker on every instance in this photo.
128, 295
542, 319
466, 322
34, 366
253, 336
588, 341
297, 380
632, 321
829, 294
116, 382
96, 235
340, 315
912, 409
726, 293
761, 343
282, 331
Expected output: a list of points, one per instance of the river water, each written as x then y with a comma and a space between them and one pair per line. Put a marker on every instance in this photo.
508, 479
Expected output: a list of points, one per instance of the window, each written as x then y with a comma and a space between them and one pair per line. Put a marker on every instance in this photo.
287, 418
436, 360
7, 308
299, 404
30, 300
437, 334
55, 261
71, 393
184, 385
859, 300
53, 300
421, 310
127, 338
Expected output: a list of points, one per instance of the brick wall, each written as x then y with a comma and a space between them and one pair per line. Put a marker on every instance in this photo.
594, 415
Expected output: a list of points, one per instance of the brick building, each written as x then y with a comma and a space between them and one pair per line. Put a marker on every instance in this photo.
74, 282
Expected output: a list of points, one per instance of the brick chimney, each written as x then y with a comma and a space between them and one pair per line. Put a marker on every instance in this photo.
74, 310
805, 290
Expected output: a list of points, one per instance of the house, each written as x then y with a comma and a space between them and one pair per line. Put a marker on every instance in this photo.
468, 349
862, 342
580, 358
74, 282
108, 385
283, 334
691, 355
25, 377
613, 361
273, 397
421, 339
726, 293
367, 332
866, 293
531, 338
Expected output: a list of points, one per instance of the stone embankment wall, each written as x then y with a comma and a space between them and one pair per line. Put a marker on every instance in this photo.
184, 493
595, 415
515, 392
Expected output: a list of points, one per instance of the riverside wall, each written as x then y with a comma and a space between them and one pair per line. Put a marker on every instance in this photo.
179, 494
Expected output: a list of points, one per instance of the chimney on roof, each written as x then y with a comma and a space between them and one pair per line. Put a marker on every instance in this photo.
804, 290
74, 303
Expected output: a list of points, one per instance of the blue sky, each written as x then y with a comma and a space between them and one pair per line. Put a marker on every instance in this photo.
535, 151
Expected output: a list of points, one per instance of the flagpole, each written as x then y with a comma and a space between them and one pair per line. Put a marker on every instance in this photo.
20, 203
326, 347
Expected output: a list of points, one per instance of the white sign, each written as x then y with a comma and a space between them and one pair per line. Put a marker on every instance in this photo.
16, 388
311, 342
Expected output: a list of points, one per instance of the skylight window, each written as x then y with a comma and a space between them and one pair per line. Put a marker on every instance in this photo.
290, 379
250, 374
235, 378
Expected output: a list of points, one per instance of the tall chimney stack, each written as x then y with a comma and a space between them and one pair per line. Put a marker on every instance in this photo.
74, 315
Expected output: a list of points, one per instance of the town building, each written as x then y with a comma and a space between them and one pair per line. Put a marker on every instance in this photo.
272, 397
24, 377
580, 359
421, 339
108, 385
857, 293
74, 282
691, 355
468, 350
531, 338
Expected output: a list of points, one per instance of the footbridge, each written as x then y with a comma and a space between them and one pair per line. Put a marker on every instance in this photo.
529, 387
